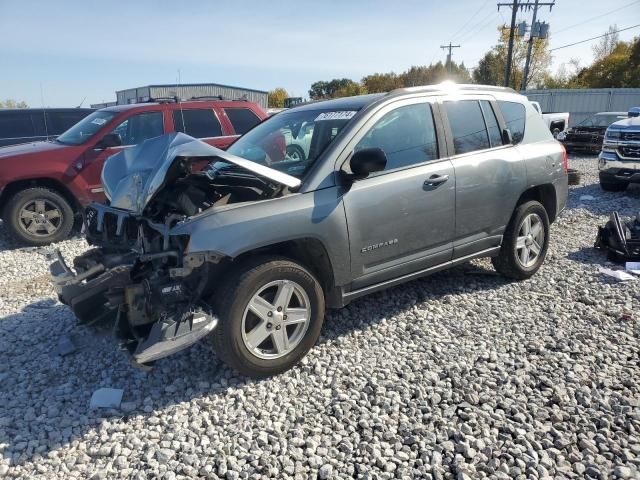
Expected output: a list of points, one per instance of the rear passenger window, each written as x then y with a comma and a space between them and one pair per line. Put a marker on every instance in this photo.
201, 123
514, 115
242, 119
492, 123
15, 125
467, 126
407, 135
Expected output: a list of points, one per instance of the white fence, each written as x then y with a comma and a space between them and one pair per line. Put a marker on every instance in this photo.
582, 103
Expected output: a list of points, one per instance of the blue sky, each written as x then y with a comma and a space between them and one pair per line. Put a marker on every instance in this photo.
78, 49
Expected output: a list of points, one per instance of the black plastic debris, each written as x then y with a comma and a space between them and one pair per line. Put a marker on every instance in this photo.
621, 240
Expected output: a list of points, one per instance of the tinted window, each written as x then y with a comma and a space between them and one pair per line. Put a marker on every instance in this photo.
86, 128
242, 119
138, 128
197, 123
467, 126
514, 115
492, 123
291, 141
15, 125
407, 135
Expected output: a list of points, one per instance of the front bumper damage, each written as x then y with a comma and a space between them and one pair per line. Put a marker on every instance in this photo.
153, 301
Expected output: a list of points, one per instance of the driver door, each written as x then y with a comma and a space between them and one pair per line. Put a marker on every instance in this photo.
402, 219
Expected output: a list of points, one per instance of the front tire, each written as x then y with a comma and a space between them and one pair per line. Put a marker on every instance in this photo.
39, 216
271, 312
525, 242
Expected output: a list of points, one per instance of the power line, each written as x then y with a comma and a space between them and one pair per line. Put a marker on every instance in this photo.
596, 17
453, 37
593, 38
478, 26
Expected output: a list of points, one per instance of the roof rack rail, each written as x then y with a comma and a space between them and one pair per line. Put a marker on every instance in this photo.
207, 97
163, 100
437, 87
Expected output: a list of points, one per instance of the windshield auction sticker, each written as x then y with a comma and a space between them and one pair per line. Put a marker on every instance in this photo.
99, 121
344, 115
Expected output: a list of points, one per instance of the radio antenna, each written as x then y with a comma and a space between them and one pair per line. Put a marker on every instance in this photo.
44, 113
80, 106
184, 126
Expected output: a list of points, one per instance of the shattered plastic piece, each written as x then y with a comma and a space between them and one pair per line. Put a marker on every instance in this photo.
106, 398
65, 346
633, 267
617, 274
586, 198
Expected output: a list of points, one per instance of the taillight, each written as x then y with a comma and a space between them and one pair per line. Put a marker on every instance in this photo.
565, 159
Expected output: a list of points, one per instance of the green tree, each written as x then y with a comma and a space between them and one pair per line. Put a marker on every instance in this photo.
618, 69
10, 103
277, 97
607, 44
322, 90
350, 90
434, 73
382, 82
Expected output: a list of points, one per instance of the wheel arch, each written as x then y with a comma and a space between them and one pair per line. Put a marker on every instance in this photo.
544, 194
12, 188
309, 252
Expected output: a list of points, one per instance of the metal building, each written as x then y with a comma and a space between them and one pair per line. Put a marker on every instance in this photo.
189, 90
103, 105
584, 102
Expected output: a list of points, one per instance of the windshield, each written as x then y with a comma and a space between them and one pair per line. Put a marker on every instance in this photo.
86, 128
601, 120
291, 141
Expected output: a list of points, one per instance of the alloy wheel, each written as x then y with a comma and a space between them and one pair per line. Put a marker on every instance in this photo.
530, 241
40, 217
276, 319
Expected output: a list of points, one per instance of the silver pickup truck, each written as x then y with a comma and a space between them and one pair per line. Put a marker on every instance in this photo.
619, 161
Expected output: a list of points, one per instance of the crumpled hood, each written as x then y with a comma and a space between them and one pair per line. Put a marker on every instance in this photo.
132, 177
633, 122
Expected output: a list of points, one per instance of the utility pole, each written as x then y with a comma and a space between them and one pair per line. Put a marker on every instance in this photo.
529, 48
449, 47
515, 6
514, 11
537, 31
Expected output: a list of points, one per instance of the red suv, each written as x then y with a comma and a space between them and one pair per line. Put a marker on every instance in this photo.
44, 185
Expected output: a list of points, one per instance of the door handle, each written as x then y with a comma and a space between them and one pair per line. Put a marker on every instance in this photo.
435, 180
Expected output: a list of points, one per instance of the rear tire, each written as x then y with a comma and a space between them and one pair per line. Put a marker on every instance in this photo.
38, 216
513, 261
252, 342
609, 186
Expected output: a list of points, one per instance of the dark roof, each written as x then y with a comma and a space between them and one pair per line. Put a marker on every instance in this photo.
48, 109
175, 85
344, 103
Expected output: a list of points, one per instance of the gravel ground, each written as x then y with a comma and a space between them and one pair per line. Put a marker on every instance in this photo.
460, 375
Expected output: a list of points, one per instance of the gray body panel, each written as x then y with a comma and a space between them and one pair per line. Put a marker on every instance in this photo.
388, 227
233, 230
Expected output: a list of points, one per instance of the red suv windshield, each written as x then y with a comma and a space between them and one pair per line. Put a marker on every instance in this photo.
86, 128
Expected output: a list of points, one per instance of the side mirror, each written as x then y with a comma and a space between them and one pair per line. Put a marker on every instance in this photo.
507, 138
367, 161
109, 140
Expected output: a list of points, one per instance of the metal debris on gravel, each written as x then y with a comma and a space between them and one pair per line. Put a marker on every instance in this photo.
461, 375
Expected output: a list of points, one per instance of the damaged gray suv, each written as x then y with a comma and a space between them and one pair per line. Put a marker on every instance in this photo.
249, 246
